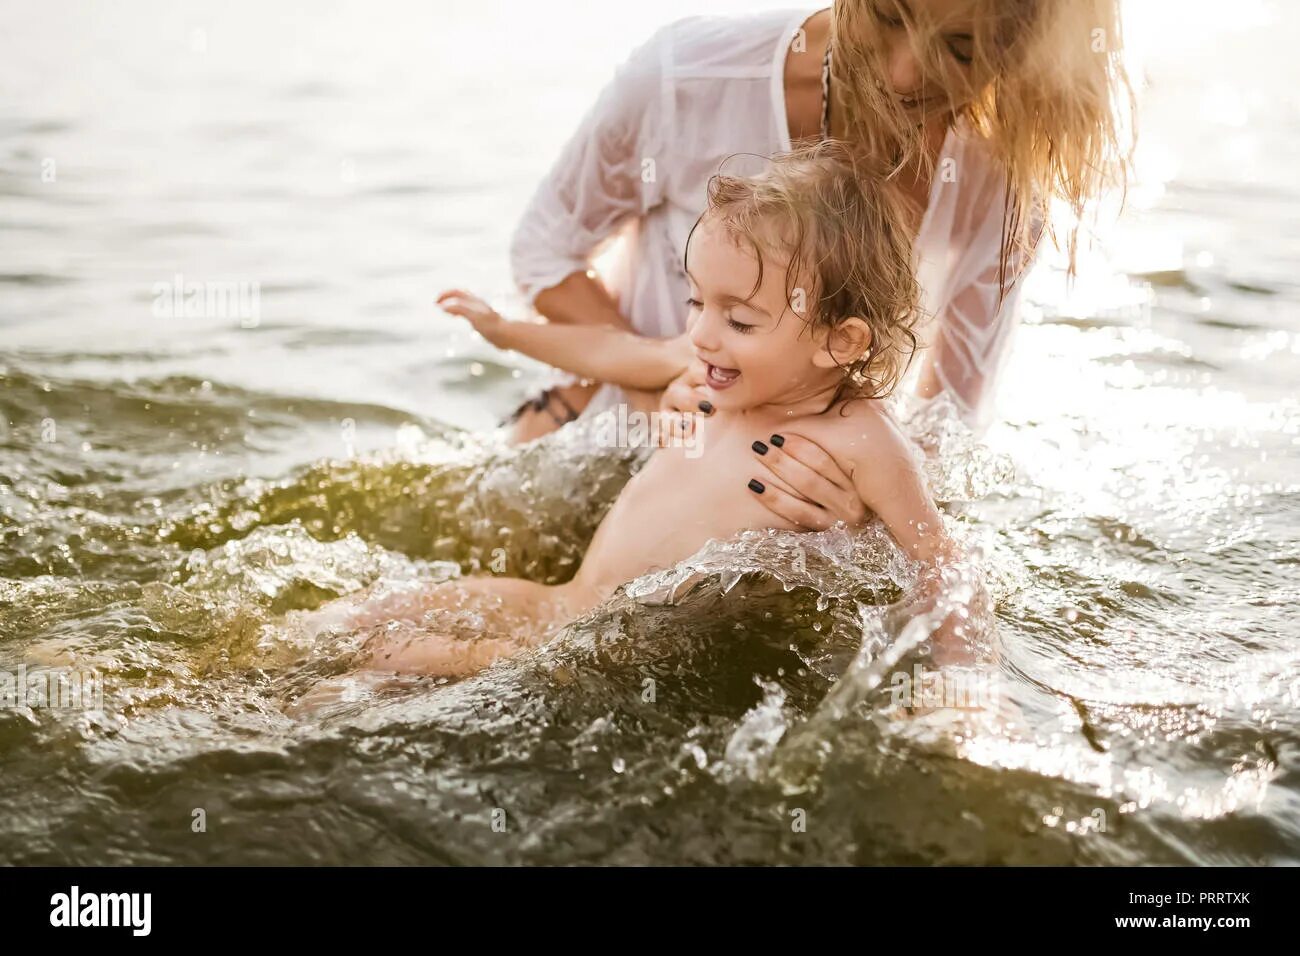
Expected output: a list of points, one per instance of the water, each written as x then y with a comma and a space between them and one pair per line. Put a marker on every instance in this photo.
171, 486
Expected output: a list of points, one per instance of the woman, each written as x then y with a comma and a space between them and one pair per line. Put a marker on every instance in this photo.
986, 110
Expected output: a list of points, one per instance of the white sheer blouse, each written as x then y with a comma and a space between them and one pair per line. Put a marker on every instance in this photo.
631, 181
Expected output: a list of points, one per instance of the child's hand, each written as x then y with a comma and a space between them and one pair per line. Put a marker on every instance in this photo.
686, 391
486, 321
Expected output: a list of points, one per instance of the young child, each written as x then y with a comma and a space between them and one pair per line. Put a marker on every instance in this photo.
802, 301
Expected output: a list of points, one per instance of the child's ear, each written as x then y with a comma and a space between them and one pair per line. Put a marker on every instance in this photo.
845, 344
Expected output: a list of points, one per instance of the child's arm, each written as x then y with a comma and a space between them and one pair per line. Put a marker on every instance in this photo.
592, 351
893, 486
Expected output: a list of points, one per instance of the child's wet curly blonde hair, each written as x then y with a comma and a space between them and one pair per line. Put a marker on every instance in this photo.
847, 240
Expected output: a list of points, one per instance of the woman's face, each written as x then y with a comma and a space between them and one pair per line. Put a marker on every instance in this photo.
926, 51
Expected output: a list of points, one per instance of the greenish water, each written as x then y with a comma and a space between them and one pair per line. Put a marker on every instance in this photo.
763, 711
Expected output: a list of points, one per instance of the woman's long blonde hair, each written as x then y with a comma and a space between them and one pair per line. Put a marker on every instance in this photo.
1046, 86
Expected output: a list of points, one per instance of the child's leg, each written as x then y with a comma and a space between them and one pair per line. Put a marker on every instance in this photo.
468, 624
378, 603
405, 649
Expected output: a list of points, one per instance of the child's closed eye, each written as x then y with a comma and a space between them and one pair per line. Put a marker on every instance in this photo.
693, 303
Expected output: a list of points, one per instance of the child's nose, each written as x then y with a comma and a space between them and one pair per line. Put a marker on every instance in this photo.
703, 331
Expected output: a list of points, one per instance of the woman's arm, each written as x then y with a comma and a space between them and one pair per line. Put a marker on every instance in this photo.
602, 353
597, 183
971, 334
580, 299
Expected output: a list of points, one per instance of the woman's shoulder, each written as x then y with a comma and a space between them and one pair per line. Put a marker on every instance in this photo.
983, 173
973, 151
969, 191
718, 45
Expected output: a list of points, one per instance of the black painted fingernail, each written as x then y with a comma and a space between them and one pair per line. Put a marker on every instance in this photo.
778, 441
706, 408
756, 485
759, 447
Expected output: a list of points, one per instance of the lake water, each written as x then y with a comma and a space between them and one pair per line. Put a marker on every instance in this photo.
171, 484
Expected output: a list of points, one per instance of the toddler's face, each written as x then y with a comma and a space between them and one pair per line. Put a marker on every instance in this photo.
756, 349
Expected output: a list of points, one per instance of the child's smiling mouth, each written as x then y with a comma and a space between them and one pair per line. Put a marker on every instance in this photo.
719, 378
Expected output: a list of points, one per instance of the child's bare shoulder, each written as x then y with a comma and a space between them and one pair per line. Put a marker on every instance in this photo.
863, 434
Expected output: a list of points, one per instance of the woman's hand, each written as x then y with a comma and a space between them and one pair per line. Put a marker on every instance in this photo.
487, 321
824, 493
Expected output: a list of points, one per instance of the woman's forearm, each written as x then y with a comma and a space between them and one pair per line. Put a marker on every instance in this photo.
580, 299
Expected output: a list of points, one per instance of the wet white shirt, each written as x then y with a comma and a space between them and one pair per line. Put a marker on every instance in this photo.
632, 181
